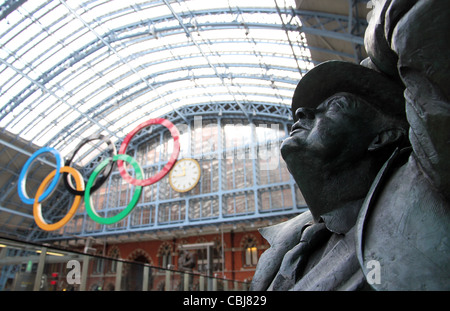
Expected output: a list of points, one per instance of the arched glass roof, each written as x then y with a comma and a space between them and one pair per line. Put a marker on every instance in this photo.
69, 69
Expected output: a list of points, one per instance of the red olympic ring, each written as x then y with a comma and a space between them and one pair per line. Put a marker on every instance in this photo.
163, 172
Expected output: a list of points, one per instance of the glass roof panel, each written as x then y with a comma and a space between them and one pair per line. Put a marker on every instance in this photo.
72, 68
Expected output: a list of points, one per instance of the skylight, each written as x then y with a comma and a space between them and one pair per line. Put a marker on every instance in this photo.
110, 64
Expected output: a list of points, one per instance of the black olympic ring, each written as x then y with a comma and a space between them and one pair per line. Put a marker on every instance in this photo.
107, 171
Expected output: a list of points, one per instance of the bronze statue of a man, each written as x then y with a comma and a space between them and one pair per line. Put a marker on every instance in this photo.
378, 192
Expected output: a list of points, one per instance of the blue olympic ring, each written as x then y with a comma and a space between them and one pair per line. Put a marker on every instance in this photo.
23, 176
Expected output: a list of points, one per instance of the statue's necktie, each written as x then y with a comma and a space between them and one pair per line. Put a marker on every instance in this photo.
295, 260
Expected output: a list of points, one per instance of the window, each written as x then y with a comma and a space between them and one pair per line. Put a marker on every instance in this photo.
165, 255
98, 265
217, 256
238, 203
251, 256
172, 212
204, 208
114, 254
275, 198
142, 215
250, 251
202, 260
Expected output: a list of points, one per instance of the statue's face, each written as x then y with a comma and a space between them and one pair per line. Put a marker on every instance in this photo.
335, 134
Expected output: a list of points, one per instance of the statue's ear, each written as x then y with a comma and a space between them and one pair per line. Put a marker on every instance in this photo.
386, 138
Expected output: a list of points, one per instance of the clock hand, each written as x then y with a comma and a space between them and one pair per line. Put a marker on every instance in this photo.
184, 173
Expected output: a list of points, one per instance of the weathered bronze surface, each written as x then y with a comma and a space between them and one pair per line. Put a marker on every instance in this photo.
370, 151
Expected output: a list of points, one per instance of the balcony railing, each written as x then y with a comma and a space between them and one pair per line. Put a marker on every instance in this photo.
33, 267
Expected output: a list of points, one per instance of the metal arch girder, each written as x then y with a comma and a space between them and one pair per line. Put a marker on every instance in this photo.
40, 236
188, 34
346, 28
357, 26
62, 142
143, 66
189, 69
46, 90
66, 132
106, 43
176, 15
207, 76
334, 35
10, 186
185, 44
56, 70
9, 6
69, 129
283, 111
325, 17
232, 53
162, 61
328, 51
256, 77
139, 92
95, 45
14, 212
215, 108
112, 36
238, 11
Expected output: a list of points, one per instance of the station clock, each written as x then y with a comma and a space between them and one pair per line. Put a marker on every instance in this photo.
184, 175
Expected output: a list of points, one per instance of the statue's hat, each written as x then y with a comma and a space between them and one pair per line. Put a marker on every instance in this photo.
331, 77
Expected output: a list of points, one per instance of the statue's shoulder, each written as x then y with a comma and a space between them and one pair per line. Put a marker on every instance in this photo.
284, 234
282, 237
404, 227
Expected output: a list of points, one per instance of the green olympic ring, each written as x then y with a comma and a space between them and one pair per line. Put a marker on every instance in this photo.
137, 191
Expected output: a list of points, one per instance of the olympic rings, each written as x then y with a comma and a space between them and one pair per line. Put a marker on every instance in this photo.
23, 176
108, 170
37, 208
173, 158
137, 191
93, 184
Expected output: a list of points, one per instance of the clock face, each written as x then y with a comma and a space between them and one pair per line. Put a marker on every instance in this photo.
184, 175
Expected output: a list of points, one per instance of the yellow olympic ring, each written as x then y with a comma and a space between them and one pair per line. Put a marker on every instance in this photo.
37, 207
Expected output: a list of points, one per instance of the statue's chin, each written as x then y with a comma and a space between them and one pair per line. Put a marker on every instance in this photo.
289, 147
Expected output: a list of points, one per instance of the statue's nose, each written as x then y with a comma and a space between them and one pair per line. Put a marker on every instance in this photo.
305, 113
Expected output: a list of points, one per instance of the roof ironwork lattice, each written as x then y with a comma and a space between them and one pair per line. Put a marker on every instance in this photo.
70, 69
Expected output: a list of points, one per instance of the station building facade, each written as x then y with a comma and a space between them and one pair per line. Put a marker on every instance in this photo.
243, 185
